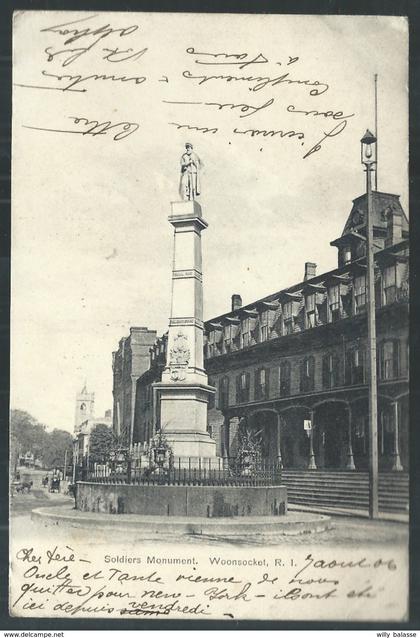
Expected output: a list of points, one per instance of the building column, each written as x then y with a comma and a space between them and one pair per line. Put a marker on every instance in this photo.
350, 457
312, 463
396, 465
278, 441
226, 438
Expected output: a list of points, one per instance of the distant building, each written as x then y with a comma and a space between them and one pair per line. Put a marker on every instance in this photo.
85, 420
299, 355
28, 460
129, 362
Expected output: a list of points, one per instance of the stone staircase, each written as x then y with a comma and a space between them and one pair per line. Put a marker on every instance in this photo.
346, 489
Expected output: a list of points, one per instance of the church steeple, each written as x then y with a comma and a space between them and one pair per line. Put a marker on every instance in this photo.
85, 407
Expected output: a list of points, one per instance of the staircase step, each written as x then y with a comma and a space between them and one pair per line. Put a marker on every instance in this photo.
343, 489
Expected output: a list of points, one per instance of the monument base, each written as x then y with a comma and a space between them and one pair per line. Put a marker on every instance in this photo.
183, 418
207, 501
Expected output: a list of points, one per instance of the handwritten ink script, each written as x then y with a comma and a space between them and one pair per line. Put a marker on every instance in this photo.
61, 580
119, 80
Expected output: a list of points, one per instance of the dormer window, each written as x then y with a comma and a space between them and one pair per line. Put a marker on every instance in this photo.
264, 325
227, 338
310, 311
346, 255
288, 317
334, 303
245, 333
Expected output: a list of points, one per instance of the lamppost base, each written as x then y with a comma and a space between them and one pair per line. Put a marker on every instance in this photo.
350, 462
312, 464
396, 464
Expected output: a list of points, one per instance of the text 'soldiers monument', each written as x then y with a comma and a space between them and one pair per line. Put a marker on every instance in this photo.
184, 389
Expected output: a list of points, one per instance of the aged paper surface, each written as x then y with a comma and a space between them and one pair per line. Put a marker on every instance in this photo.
103, 105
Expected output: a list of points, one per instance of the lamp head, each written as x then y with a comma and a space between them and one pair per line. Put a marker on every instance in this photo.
368, 148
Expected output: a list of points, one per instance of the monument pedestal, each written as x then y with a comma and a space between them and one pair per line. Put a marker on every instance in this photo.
183, 418
184, 389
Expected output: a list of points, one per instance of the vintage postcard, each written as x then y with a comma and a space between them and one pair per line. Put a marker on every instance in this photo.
209, 317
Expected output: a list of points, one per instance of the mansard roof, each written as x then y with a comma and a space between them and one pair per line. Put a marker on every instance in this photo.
383, 205
338, 274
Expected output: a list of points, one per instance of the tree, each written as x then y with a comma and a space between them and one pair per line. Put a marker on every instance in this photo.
58, 442
101, 443
27, 434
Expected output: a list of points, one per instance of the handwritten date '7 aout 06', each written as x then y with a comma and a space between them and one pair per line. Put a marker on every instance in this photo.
94, 128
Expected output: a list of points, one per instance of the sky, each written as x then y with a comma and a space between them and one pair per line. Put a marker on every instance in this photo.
91, 244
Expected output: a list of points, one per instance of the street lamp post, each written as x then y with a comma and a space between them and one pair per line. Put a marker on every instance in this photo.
368, 158
75, 441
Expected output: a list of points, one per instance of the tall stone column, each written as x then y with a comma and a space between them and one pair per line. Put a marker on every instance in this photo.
184, 389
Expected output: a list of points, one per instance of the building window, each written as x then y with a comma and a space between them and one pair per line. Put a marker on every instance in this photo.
264, 326
211, 344
285, 377
330, 367
307, 374
355, 366
386, 431
223, 393
390, 284
227, 338
261, 383
334, 303
242, 387
360, 433
245, 333
388, 360
360, 293
288, 317
310, 311
211, 402
347, 255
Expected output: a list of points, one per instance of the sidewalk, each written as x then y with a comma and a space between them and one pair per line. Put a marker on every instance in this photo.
294, 523
396, 517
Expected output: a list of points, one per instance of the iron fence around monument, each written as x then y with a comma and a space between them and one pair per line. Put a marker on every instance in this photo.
229, 471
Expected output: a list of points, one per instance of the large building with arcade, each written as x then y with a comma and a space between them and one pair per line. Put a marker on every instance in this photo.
296, 359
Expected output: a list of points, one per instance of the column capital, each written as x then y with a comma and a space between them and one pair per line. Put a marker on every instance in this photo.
188, 213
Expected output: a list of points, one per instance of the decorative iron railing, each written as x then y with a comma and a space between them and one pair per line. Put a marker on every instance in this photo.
232, 471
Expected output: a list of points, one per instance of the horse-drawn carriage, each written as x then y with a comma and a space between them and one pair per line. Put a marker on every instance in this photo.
22, 487
55, 484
